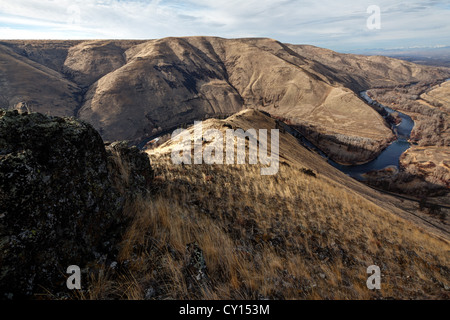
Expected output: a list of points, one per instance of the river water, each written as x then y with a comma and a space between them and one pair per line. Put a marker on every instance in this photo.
389, 156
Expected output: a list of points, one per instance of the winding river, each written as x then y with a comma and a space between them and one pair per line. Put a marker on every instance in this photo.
389, 156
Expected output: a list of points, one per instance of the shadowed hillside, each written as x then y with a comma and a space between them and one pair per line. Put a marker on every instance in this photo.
27, 85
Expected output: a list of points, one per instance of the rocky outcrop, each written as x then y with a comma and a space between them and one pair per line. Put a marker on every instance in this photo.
345, 149
195, 270
430, 163
130, 168
60, 201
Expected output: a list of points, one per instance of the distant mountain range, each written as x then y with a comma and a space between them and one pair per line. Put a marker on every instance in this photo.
432, 56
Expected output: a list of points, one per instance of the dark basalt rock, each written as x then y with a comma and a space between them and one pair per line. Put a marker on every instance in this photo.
195, 269
130, 168
59, 205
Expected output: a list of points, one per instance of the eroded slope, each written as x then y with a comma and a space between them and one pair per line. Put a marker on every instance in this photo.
137, 89
27, 85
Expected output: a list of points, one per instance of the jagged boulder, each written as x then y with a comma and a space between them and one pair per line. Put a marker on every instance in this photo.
59, 205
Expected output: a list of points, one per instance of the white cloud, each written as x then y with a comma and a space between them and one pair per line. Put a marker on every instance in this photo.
329, 23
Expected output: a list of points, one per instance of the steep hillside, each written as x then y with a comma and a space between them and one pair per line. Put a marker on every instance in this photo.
62, 194
176, 81
25, 84
170, 231
50, 53
137, 89
362, 72
293, 153
226, 232
89, 61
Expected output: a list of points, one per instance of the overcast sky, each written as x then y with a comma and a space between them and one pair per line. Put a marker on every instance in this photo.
336, 24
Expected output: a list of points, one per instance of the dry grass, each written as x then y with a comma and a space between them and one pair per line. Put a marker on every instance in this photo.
288, 236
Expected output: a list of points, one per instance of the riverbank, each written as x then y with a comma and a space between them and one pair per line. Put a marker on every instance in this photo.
390, 156
424, 166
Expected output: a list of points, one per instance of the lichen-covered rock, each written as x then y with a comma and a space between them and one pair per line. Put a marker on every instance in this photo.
58, 203
195, 269
130, 168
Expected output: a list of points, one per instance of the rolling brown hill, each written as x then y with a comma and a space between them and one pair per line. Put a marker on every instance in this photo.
136, 89
25, 84
438, 96
361, 72
308, 232
156, 230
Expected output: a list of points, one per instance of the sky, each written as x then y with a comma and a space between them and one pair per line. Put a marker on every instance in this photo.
341, 25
